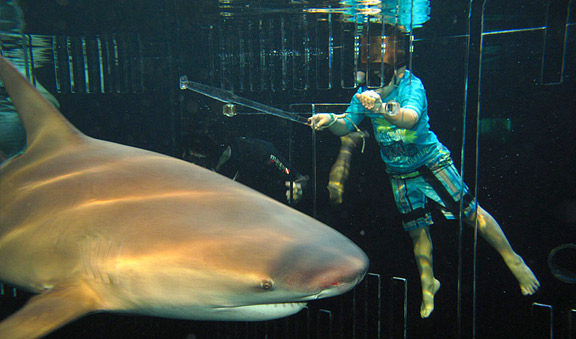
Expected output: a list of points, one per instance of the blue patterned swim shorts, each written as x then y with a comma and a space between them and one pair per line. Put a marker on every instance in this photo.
442, 183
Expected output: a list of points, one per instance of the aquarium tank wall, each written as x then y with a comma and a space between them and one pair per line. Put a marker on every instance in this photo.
184, 78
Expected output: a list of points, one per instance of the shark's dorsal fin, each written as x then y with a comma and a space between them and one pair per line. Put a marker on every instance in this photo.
45, 126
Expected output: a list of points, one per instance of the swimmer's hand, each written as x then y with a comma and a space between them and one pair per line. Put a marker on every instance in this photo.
321, 120
370, 100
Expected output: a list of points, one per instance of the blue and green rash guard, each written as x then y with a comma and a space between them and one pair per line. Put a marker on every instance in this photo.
403, 150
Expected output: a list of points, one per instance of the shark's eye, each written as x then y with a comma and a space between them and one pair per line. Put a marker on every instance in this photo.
266, 285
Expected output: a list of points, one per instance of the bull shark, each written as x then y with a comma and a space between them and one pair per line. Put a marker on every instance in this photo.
93, 226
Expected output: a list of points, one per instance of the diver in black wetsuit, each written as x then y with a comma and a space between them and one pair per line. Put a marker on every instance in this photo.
254, 162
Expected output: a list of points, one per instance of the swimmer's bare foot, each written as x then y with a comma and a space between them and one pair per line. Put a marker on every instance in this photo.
527, 280
428, 299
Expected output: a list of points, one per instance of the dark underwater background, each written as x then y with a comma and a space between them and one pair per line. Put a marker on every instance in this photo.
501, 84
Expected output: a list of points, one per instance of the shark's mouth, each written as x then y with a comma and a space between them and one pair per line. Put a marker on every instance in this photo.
260, 312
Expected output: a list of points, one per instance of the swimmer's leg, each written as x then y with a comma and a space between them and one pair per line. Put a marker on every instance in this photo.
423, 254
490, 230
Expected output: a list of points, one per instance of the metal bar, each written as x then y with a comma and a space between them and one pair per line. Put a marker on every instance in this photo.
242, 54
375, 318
136, 48
85, 64
571, 321
349, 47
263, 57
284, 54
254, 68
471, 113
275, 51
554, 53
226, 65
542, 321
323, 54
314, 168
212, 48
402, 330
62, 65
100, 57
300, 55
354, 312
324, 324
29, 63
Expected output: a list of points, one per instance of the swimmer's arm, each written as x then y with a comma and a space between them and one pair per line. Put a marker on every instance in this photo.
337, 127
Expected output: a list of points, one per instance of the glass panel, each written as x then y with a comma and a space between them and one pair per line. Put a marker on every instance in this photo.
528, 55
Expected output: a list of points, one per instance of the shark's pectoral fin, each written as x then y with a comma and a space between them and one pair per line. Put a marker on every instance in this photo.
48, 311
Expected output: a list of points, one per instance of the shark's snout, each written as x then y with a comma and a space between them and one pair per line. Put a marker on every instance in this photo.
324, 272
339, 277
